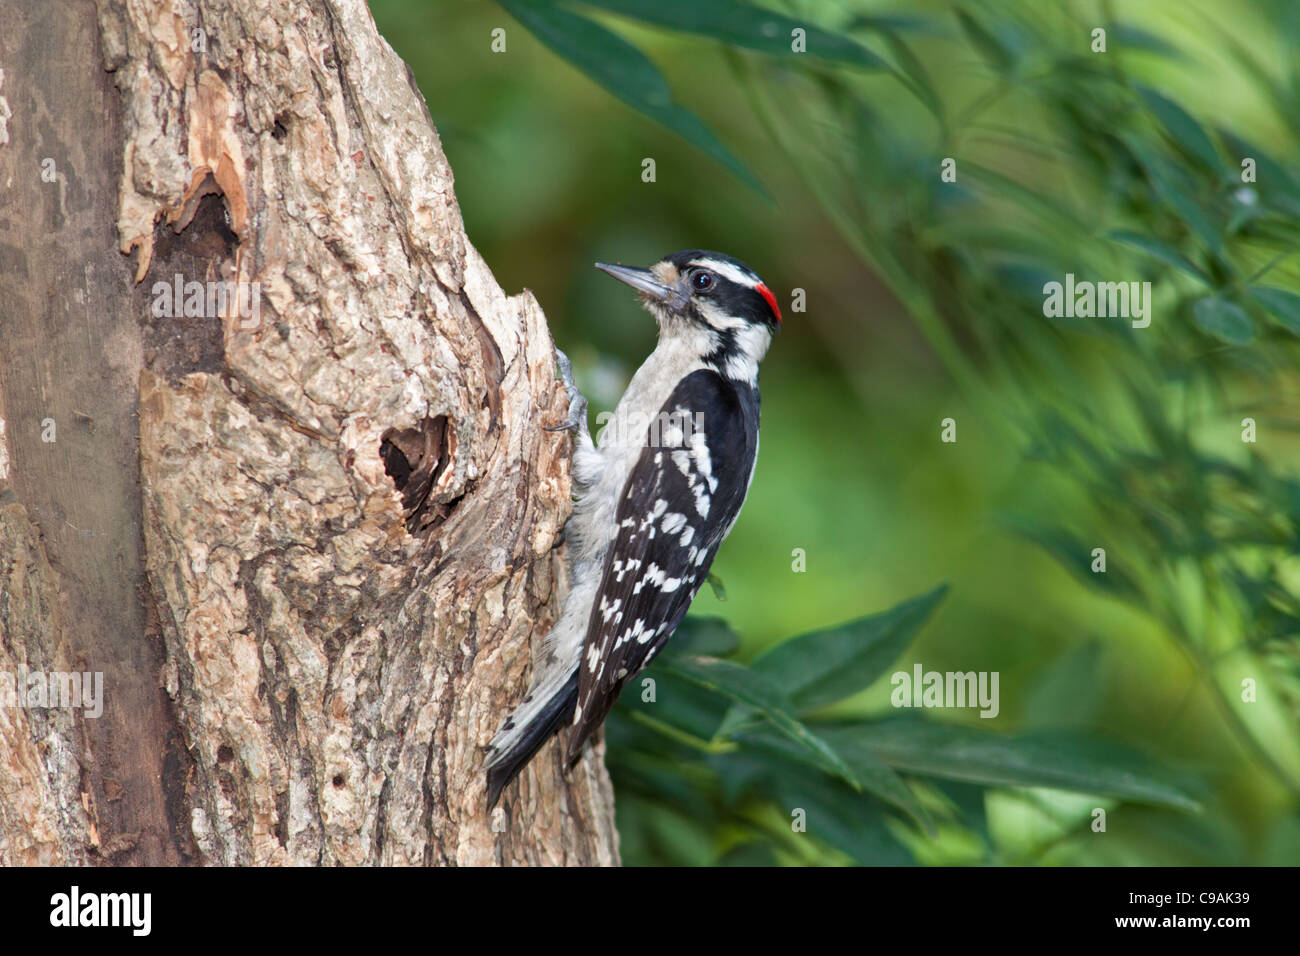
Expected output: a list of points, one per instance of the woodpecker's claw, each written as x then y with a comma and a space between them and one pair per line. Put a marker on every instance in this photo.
577, 417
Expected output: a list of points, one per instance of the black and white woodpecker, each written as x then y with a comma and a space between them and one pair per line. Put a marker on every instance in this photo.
654, 500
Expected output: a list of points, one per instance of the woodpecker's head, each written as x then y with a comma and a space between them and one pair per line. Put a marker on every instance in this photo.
714, 299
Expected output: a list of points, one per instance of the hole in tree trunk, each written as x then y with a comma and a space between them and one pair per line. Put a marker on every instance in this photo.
415, 458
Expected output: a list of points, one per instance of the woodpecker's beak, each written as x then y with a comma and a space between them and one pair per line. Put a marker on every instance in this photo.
644, 281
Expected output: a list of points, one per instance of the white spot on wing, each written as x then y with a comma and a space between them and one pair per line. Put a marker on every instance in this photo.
703, 463
673, 522
702, 502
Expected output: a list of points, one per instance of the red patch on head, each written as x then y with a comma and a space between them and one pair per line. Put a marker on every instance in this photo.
766, 293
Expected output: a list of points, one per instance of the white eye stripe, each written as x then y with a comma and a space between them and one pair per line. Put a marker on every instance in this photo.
728, 270
719, 319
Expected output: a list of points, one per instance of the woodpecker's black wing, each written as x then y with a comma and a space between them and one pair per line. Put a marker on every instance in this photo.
679, 503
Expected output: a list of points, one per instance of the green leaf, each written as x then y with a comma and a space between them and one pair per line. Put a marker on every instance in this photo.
899, 23
869, 773
702, 636
1062, 760
912, 71
1281, 304
1273, 181
1011, 187
679, 705
750, 854
656, 773
624, 71
748, 687
998, 55
968, 801
915, 73
1185, 132
1135, 38
739, 773
1068, 691
745, 26
826, 666
841, 819
1282, 91
677, 836
1160, 250
719, 589
1224, 320
1176, 189
1074, 555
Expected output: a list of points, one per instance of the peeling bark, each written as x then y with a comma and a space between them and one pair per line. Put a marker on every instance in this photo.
349, 507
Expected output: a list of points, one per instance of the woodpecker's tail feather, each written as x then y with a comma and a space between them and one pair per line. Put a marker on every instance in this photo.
523, 734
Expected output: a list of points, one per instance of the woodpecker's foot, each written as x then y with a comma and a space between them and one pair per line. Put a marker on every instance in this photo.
577, 417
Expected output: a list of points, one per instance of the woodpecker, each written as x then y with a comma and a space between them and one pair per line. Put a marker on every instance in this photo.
654, 499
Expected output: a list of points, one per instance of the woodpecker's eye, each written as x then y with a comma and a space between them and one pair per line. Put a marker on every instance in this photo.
703, 281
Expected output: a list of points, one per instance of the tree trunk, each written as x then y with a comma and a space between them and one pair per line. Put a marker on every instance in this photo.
306, 536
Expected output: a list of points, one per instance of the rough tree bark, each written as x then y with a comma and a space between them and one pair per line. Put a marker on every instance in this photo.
303, 654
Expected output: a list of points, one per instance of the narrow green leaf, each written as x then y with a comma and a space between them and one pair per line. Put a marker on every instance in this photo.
1160, 250
841, 819
989, 46
1176, 189
774, 751
1074, 555
1244, 211
624, 71
1281, 90
740, 773
745, 26
911, 71
1185, 132
655, 771
826, 666
1273, 182
1068, 691
750, 854
1223, 319
968, 801
694, 711
1281, 304
915, 74
748, 687
703, 636
1009, 186
678, 836
1136, 38
1063, 760
869, 772
898, 22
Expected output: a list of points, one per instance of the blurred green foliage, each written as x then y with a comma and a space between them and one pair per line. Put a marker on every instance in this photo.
1121, 690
